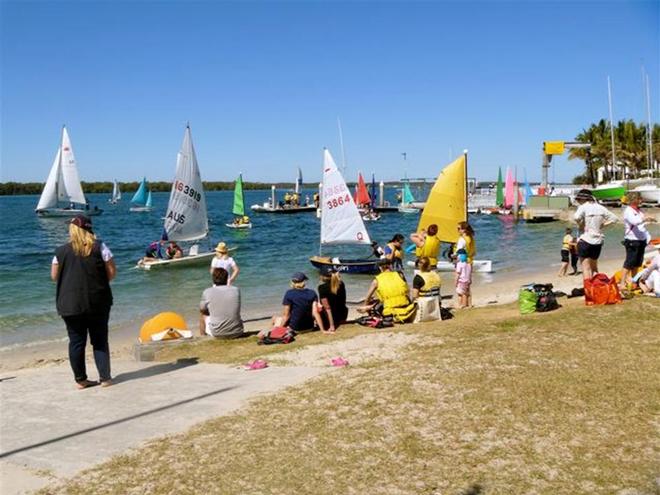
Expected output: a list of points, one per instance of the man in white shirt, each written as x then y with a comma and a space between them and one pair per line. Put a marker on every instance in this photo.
636, 236
591, 217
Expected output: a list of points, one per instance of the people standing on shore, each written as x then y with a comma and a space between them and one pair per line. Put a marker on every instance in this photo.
463, 279
568, 253
332, 297
83, 269
591, 217
223, 260
466, 241
427, 244
220, 308
394, 252
299, 307
636, 236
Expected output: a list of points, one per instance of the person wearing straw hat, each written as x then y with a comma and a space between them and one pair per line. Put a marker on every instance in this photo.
83, 269
591, 217
223, 260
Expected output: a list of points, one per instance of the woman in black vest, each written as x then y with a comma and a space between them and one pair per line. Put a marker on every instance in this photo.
83, 269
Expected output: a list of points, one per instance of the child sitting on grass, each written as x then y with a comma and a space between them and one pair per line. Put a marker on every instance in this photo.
463, 278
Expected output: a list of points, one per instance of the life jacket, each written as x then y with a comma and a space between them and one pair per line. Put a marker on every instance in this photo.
432, 283
393, 293
430, 249
470, 247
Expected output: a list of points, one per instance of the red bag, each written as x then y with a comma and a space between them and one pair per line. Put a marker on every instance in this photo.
601, 290
277, 335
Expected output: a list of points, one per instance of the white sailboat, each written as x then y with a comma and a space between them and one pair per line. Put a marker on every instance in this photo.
341, 222
116, 194
186, 218
141, 200
63, 186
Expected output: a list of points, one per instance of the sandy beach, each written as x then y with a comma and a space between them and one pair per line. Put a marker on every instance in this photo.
488, 289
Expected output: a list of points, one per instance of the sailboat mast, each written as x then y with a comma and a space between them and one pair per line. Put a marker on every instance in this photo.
609, 99
341, 143
465, 154
59, 166
649, 129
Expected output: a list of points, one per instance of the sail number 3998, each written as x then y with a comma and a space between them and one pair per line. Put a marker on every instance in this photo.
338, 201
188, 191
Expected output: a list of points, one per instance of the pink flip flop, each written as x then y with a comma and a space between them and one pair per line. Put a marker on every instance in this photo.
257, 364
338, 361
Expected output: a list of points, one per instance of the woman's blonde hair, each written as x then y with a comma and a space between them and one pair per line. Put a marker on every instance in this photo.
82, 241
298, 285
335, 281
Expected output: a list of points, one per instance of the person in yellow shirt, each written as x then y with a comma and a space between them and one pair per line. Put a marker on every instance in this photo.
568, 251
428, 244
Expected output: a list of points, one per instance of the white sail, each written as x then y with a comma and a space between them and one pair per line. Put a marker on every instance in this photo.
72, 189
49, 195
186, 218
116, 193
341, 222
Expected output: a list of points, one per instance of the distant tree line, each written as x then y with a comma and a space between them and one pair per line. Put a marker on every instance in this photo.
13, 188
631, 148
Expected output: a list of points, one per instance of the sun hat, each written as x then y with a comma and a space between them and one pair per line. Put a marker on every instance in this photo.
221, 248
298, 277
83, 222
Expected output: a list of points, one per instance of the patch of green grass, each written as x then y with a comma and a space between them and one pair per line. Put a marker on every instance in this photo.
559, 403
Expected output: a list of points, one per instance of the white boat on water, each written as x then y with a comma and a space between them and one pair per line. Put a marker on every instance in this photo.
63, 186
650, 193
482, 266
186, 219
116, 194
141, 200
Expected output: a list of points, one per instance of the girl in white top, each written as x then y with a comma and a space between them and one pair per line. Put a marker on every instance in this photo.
223, 260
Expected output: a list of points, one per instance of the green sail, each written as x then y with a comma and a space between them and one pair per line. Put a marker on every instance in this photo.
499, 195
239, 208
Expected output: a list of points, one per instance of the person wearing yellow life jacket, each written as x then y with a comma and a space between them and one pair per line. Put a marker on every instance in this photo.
394, 252
427, 282
428, 244
466, 241
391, 289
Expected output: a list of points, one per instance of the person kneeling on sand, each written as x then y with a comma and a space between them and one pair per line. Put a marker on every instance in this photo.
220, 308
391, 290
299, 307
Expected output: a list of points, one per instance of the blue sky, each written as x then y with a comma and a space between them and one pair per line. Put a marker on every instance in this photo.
262, 84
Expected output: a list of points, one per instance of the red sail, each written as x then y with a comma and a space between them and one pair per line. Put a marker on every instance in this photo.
362, 197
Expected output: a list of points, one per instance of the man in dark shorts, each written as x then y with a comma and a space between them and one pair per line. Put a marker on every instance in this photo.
591, 217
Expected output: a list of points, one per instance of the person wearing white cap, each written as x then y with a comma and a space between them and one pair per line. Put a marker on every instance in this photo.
223, 260
591, 217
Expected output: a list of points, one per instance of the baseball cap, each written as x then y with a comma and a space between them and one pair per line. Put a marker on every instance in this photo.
298, 277
83, 222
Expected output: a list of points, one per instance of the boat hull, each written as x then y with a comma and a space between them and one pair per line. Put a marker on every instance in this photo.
176, 262
408, 209
481, 266
285, 210
352, 266
610, 193
140, 209
68, 212
650, 194
239, 226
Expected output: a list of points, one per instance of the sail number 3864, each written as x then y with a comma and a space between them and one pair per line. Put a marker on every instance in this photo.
338, 201
188, 191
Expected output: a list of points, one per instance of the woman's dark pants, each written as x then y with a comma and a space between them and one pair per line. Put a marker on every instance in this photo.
97, 326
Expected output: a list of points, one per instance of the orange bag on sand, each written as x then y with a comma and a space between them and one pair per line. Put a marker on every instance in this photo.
601, 290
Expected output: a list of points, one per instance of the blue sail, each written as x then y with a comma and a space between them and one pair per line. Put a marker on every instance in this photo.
148, 203
407, 195
528, 190
140, 196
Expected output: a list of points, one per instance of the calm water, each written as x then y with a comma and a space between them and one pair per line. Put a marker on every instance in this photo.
277, 246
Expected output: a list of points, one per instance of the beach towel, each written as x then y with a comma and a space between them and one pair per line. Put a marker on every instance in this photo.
601, 290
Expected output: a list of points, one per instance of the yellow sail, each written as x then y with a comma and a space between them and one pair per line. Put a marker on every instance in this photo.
446, 205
